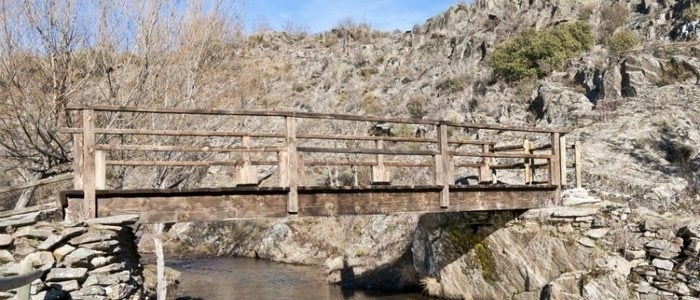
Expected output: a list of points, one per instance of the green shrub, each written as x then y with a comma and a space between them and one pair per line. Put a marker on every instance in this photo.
534, 53
452, 85
623, 40
416, 107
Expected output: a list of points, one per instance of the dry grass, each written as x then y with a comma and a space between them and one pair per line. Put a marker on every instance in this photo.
431, 287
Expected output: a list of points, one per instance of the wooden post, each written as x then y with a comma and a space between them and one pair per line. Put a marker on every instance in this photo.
485, 168
89, 200
380, 175
562, 160
162, 283
78, 161
247, 173
577, 162
23, 293
100, 170
292, 165
527, 175
554, 166
282, 163
443, 172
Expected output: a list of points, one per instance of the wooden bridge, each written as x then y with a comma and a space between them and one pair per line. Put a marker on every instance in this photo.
429, 152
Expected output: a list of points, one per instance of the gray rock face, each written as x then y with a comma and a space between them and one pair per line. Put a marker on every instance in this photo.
101, 246
63, 274
119, 291
93, 290
101, 261
575, 197
6, 256
585, 241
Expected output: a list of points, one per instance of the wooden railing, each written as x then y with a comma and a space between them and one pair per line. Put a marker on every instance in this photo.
291, 150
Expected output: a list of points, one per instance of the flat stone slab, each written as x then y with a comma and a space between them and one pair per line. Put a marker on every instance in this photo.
107, 279
596, 233
663, 264
93, 236
67, 286
37, 233
100, 246
62, 251
574, 212
55, 239
114, 220
79, 257
64, 274
20, 220
585, 241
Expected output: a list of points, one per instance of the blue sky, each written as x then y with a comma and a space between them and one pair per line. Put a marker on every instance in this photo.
321, 15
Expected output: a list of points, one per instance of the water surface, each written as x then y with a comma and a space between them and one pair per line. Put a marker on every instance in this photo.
247, 278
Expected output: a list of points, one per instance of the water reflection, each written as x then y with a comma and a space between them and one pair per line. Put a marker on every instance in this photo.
245, 278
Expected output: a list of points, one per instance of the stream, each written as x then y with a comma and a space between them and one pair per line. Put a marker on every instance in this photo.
247, 278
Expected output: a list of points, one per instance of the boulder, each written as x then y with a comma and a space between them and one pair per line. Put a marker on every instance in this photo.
6, 256
675, 287
101, 246
573, 197
119, 291
115, 267
586, 242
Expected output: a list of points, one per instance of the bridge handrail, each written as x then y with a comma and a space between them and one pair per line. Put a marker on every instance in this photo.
308, 115
91, 160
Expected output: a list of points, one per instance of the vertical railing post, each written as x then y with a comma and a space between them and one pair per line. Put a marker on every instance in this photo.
89, 200
292, 165
379, 172
78, 161
442, 170
554, 160
247, 173
485, 168
527, 174
577, 162
100, 170
562, 160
